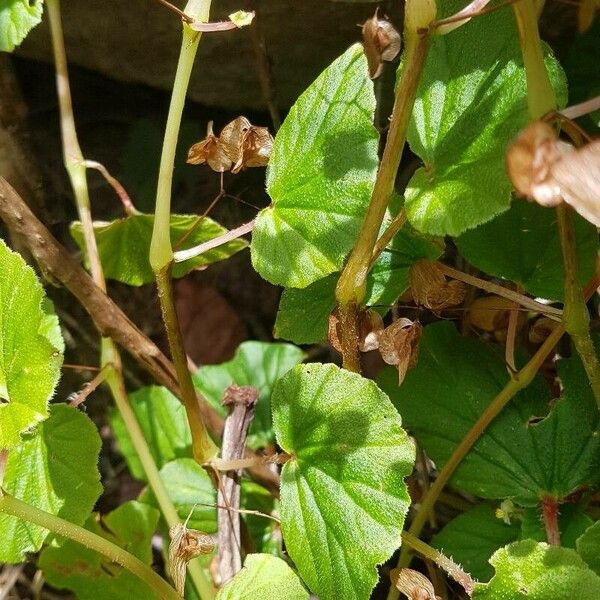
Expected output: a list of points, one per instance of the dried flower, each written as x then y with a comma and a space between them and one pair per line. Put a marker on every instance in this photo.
370, 324
381, 42
414, 585
209, 151
185, 545
399, 345
430, 288
245, 144
547, 170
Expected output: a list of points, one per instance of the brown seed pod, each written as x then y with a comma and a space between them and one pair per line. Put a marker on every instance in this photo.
399, 345
381, 42
430, 288
245, 144
185, 545
209, 151
414, 585
370, 324
548, 171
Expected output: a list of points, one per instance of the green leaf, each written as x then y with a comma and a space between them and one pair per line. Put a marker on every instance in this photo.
455, 380
17, 19
303, 314
30, 351
572, 522
343, 496
259, 364
534, 571
54, 469
92, 576
124, 245
471, 102
522, 245
191, 491
265, 577
471, 539
263, 531
164, 424
588, 547
320, 177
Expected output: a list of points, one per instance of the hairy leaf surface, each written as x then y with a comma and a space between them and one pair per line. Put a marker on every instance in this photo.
343, 496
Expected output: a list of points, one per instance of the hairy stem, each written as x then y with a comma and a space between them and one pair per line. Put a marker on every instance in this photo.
11, 506
576, 317
541, 100
351, 287
550, 518
202, 445
73, 157
161, 250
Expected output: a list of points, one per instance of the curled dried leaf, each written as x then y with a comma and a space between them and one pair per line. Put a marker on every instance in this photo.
548, 171
209, 151
399, 345
430, 288
245, 144
185, 545
414, 585
381, 42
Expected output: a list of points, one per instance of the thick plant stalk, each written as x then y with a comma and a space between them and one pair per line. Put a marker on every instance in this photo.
161, 250
541, 100
110, 357
351, 287
10, 505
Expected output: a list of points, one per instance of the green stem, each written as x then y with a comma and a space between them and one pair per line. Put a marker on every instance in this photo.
76, 168
541, 100
73, 157
576, 317
203, 447
161, 251
520, 381
11, 506
440, 559
114, 379
351, 287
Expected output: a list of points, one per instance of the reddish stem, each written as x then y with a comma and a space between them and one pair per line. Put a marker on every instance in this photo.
550, 516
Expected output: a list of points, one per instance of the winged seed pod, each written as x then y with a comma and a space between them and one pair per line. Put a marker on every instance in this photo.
185, 545
209, 151
545, 169
381, 42
399, 345
430, 288
414, 585
245, 144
